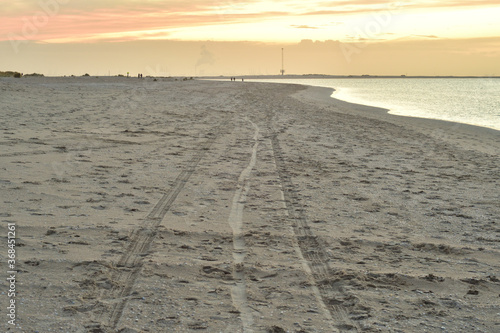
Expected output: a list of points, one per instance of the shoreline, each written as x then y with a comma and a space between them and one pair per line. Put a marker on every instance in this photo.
287, 76
442, 129
388, 110
319, 76
181, 206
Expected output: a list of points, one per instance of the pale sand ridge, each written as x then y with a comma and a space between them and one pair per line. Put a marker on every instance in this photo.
235, 220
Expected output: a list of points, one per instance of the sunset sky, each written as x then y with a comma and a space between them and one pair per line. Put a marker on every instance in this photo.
231, 37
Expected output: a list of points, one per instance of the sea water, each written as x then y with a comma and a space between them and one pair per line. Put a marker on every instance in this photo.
473, 101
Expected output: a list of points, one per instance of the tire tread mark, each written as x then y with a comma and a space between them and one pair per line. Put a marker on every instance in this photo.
312, 251
45, 152
130, 264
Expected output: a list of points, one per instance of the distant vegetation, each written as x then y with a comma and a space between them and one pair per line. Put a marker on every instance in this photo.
10, 74
17, 74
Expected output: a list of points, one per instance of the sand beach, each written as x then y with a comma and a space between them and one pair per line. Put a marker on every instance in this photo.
171, 205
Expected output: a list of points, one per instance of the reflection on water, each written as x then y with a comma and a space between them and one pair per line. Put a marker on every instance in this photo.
474, 101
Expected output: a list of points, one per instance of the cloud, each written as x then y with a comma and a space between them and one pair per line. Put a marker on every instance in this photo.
93, 20
344, 7
469, 3
372, 5
303, 27
96, 19
426, 36
99, 20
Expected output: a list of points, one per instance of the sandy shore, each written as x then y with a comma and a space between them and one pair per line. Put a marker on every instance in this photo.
188, 206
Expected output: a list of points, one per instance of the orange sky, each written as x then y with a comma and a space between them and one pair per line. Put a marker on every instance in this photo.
205, 37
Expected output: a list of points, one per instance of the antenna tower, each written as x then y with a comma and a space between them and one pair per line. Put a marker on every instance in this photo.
282, 71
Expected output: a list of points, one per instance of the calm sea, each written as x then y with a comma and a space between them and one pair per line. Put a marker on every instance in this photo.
474, 101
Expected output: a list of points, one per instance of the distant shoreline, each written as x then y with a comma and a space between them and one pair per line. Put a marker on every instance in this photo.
394, 108
320, 76
291, 76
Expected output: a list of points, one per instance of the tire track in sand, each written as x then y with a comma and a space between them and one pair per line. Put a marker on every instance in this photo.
313, 255
130, 264
235, 220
